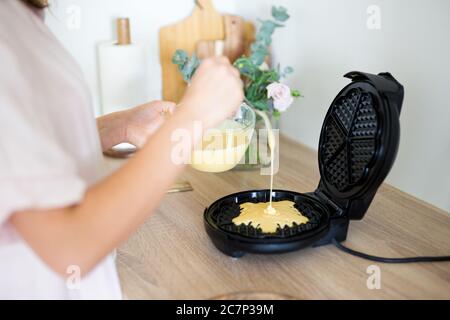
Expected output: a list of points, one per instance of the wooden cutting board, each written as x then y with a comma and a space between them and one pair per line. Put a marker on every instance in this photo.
199, 33
233, 46
205, 23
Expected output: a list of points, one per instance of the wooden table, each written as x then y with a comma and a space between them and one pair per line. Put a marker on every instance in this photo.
171, 257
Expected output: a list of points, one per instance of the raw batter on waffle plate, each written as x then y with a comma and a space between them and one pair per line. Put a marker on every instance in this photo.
268, 216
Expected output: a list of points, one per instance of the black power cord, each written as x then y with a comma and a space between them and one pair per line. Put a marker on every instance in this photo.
389, 260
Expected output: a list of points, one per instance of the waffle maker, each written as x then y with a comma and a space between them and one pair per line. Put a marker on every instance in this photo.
358, 145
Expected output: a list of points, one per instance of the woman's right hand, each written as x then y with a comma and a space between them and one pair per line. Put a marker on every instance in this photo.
215, 93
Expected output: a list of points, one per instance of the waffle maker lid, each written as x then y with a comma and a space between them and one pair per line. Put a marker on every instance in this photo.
359, 141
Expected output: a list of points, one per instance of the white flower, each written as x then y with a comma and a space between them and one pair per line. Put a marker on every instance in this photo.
264, 66
281, 95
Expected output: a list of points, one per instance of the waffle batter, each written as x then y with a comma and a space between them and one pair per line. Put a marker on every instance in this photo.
260, 216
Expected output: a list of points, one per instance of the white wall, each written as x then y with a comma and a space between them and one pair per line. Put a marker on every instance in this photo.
324, 39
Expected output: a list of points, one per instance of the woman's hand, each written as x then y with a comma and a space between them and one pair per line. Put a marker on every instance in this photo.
143, 121
134, 125
216, 91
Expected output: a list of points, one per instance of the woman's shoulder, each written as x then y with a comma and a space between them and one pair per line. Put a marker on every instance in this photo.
20, 32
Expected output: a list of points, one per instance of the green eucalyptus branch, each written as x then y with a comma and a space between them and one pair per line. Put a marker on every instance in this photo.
187, 65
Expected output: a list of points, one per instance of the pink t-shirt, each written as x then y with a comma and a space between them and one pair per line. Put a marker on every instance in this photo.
49, 153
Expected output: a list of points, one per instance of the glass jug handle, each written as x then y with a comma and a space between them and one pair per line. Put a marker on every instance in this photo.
268, 126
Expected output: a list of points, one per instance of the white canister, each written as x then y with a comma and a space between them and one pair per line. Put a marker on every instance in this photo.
122, 72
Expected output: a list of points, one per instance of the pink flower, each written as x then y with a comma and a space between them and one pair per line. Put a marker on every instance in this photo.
281, 95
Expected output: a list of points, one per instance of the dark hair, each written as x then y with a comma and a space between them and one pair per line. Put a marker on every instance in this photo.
38, 3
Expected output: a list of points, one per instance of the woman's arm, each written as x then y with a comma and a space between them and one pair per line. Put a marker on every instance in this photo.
111, 210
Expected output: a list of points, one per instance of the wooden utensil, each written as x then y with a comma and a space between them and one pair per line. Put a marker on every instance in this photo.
209, 48
181, 186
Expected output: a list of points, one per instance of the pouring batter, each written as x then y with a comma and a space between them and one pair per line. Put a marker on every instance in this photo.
269, 216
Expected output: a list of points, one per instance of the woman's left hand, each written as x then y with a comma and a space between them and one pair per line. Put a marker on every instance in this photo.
134, 125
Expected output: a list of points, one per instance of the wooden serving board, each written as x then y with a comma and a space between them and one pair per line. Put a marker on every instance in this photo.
205, 23
234, 44
198, 33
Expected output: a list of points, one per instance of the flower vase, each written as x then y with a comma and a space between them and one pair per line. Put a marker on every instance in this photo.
257, 155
